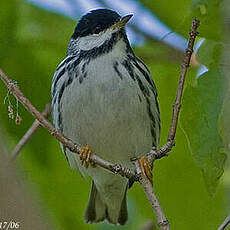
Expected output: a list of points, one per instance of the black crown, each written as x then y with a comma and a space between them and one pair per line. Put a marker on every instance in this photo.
95, 21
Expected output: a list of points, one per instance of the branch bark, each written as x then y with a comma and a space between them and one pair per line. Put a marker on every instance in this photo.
117, 168
29, 133
147, 186
224, 224
157, 154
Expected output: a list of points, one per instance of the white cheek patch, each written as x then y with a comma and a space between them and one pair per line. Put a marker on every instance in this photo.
94, 40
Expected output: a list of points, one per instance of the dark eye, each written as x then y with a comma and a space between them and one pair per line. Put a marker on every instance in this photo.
97, 30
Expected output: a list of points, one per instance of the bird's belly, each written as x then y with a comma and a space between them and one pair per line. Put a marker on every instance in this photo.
110, 116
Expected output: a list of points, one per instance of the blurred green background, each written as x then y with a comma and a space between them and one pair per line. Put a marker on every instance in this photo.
34, 41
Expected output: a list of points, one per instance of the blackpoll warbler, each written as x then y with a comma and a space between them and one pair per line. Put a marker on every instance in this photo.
104, 97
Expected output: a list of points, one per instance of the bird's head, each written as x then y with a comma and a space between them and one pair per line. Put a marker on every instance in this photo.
98, 26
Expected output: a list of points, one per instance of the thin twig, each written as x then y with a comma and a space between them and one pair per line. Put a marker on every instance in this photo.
157, 154
29, 133
152, 198
185, 64
224, 224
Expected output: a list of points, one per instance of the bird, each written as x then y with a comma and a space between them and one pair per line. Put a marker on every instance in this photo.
104, 99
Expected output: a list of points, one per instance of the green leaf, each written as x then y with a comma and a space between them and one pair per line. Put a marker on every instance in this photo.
209, 53
224, 122
202, 104
209, 14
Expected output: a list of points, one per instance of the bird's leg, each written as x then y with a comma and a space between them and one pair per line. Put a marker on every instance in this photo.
146, 168
85, 156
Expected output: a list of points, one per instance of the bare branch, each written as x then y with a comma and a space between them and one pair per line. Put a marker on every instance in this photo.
156, 154
224, 224
185, 64
29, 133
152, 198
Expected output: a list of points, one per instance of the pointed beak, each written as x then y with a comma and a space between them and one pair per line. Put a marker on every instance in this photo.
122, 22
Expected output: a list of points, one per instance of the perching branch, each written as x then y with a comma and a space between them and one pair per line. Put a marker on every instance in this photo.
157, 154
73, 147
152, 198
224, 224
117, 168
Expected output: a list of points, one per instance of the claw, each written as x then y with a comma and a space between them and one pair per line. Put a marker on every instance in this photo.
85, 156
146, 168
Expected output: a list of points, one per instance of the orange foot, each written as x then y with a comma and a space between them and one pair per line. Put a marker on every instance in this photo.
85, 155
146, 168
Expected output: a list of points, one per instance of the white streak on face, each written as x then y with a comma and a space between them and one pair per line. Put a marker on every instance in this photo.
94, 40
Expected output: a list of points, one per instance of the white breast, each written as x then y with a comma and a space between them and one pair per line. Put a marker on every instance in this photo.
105, 111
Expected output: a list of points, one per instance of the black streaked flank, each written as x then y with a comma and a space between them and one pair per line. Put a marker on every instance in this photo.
143, 89
67, 60
139, 98
76, 62
129, 68
145, 74
158, 110
56, 79
153, 122
54, 99
139, 60
66, 67
85, 75
134, 58
149, 79
69, 80
61, 91
80, 79
60, 125
146, 94
84, 66
115, 66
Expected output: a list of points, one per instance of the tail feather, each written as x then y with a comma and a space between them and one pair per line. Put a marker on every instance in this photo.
123, 216
98, 211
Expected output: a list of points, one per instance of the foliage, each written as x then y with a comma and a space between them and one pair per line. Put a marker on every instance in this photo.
33, 42
203, 97
203, 102
201, 110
